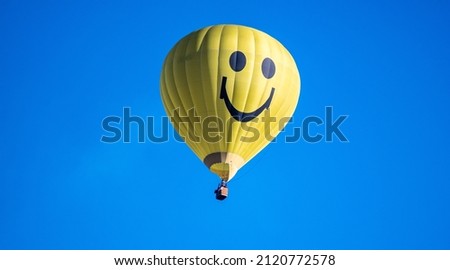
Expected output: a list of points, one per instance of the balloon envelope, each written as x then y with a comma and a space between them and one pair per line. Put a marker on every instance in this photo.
229, 90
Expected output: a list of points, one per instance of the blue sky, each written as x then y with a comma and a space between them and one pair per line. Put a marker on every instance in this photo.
67, 65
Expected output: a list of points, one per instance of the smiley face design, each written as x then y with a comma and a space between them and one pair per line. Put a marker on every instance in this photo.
237, 64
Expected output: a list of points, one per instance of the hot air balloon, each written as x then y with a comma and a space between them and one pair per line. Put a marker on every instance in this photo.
225, 88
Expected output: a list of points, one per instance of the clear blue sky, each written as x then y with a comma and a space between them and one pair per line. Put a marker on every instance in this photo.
65, 65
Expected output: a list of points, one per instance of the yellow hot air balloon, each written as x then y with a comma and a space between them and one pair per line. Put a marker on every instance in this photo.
228, 90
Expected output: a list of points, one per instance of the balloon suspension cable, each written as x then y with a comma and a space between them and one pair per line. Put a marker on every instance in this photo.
223, 183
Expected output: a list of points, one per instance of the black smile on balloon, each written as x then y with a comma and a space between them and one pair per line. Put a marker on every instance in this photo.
237, 63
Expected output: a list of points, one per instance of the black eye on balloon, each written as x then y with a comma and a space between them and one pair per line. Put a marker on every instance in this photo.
237, 61
268, 68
